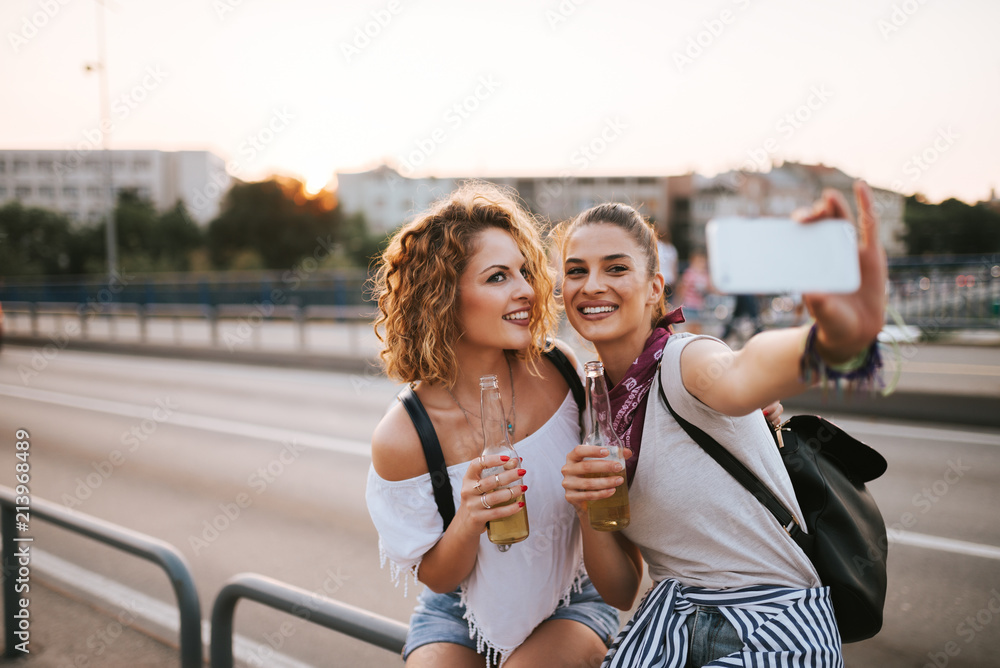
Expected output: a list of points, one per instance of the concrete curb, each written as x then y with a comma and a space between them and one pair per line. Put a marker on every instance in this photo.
966, 410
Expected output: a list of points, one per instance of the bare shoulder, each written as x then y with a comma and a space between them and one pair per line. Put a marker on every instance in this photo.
703, 363
703, 349
396, 450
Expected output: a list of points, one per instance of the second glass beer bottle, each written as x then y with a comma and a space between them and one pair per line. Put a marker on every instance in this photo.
496, 441
612, 513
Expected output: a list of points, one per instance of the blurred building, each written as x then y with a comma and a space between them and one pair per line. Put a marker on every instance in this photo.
389, 199
684, 203
386, 198
75, 182
695, 199
559, 198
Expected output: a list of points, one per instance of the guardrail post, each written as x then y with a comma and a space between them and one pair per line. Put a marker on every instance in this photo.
353, 337
140, 314
300, 321
83, 321
33, 308
212, 313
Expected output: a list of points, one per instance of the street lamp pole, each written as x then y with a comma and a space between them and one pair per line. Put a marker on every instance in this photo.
111, 235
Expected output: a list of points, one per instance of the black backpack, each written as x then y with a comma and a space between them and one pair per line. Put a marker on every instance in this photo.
846, 539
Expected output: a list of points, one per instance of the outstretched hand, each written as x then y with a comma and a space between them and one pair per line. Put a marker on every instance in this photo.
848, 323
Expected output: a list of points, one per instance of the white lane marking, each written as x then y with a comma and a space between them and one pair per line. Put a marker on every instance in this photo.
179, 367
904, 431
129, 604
204, 422
944, 544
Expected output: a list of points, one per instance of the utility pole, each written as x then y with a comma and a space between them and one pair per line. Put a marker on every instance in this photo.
111, 235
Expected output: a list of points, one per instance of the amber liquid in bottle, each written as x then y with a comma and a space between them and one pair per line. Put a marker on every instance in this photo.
612, 513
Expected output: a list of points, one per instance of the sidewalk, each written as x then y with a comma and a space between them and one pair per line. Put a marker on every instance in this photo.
67, 632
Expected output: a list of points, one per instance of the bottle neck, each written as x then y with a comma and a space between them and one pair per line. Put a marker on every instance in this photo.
494, 421
598, 403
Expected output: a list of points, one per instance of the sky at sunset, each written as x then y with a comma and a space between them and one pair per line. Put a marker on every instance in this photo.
904, 93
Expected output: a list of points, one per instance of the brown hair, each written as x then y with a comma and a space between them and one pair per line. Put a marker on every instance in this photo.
416, 283
629, 220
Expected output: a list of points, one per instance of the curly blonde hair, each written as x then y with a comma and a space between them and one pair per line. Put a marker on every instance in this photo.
416, 283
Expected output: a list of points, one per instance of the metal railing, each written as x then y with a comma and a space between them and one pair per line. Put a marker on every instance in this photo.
301, 285
361, 624
146, 547
74, 321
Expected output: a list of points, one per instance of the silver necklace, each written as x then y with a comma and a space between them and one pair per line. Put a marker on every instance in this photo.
513, 404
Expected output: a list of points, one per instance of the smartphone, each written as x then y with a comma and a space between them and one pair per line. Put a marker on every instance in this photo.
781, 255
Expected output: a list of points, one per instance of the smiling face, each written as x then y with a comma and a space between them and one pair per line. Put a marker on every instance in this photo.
607, 289
494, 297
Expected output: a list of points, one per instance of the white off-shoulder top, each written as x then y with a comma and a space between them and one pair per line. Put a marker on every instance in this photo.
508, 593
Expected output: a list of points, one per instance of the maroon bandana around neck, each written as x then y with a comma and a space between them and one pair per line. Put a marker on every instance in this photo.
629, 395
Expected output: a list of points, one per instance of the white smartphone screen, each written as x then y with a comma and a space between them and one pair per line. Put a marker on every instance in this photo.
781, 255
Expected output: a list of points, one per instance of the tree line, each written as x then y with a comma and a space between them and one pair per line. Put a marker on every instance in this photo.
269, 225
950, 228
274, 224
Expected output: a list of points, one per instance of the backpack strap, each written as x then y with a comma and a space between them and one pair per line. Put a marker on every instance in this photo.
440, 481
432, 453
568, 372
738, 470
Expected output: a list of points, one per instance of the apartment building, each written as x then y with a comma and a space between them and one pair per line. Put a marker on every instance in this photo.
695, 199
77, 183
388, 199
683, 203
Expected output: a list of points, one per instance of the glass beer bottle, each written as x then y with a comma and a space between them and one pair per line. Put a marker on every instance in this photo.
612, 513
496, 441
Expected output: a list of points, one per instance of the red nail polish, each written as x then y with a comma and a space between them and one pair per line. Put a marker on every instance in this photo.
504, 458
521, 471
524, 488
520, 504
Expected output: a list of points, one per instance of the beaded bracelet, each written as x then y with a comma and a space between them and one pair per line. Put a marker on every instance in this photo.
861, 371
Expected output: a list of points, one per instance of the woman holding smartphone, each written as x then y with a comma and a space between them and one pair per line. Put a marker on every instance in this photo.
465, 290
731, 584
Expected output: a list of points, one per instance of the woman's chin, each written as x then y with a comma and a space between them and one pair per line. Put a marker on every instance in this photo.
595, 331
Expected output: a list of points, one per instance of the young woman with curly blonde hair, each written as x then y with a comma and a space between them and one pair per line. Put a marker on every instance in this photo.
464, 290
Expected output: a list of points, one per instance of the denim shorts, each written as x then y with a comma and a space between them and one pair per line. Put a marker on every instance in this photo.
710, 637
438, 618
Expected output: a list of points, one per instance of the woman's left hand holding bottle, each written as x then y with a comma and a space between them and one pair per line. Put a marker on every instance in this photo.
482, 496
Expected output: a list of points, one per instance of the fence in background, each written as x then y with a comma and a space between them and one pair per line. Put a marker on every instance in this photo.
296, 287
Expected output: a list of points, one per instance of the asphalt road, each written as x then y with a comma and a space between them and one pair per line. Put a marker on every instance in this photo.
254, 469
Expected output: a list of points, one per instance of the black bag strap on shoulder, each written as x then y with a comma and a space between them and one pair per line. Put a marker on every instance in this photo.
568, 371
738, 470
432, 453
440, 481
